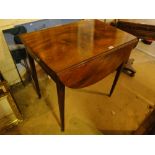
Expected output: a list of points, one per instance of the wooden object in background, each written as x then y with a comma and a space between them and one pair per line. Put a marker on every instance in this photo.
142, 28
147, 127
9, 113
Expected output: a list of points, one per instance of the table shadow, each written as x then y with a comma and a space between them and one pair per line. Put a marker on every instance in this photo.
92, 92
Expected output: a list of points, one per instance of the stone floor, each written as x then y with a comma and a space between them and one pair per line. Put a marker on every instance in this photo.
90, 110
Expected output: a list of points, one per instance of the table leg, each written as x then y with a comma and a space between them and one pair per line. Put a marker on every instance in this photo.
34, 75
61, 102
119, 69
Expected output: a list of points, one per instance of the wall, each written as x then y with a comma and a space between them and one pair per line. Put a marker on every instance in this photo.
7, 66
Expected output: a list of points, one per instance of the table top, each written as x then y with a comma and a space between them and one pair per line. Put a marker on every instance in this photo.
62, 47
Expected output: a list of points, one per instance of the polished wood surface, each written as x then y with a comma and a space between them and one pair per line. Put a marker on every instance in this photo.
79, 54
69, 47
142, 28
92, 71
140, 21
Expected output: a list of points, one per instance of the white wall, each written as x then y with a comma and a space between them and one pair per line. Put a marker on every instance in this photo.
7, 66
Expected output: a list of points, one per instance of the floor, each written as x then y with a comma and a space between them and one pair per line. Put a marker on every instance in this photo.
90, 110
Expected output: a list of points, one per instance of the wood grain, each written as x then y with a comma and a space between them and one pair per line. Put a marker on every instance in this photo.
88, 47
79, 54
94, 70
142, 28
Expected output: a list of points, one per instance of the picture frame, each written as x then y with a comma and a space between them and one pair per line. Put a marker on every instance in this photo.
3, 87
9, 113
